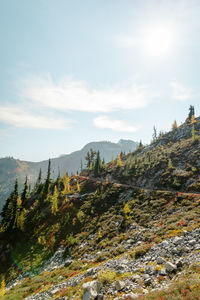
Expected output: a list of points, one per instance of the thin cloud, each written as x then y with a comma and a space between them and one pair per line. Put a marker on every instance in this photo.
180, 92
71, 95
105, 122
22, 118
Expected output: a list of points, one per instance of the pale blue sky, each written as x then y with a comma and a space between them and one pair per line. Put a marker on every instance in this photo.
74, 71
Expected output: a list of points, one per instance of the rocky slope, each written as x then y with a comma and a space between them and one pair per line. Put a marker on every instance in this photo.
122, 235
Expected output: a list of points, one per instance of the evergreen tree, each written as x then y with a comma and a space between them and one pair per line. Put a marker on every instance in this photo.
13, 208
140, 145
54, 200
5, 214
88, 160
92, 155
174, 127
112, 160
154, 136
3, 287
119, 161
39, 184
58, 180
78, 187
47, 181
81, 165
39, 177
97, 165
193, 119
24, 193
126, 211
20, 221
170, 166
66, 184
191, 113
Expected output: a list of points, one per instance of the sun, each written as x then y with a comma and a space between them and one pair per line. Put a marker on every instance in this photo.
158, 40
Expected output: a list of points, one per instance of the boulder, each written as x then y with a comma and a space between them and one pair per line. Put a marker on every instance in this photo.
170, 267
91, 290
160, 260
192, 242
178, 240
120, 284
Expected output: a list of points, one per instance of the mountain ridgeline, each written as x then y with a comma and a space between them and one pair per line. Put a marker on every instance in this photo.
11, 168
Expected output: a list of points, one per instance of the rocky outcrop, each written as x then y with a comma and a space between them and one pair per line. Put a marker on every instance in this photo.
166, 259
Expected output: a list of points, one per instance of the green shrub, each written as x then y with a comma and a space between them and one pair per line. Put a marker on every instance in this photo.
106, 276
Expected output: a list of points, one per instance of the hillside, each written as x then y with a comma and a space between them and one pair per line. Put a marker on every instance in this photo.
129, 229
11, 168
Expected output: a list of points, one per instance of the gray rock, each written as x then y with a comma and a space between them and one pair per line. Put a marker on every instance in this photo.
149, 270
162, 272
147, 281
68, 262
60, 277
192, 242
135, 277
91, 290
165, 244
170, 267
179, 263
177, 240
55, 290
120, 284
160, 260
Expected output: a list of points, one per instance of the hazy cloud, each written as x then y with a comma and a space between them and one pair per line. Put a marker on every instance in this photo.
180, 92
72, 95
20, 117
104, 122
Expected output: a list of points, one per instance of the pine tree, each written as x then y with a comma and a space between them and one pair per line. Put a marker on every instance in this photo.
119, 161
88, 160
140, 145
66, 184
24, 193
78, 187
13, 207
58, 180
126, 211
193, 119
3, 287
20, 220
5, 214
112, 160
39, 177
92, 155
99, 234
97, 165
174, 127
47, 181
154, 136
81, 165
191, 113
39, 185
170, 166
54, 200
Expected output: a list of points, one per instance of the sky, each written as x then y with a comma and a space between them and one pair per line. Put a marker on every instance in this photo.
74, 71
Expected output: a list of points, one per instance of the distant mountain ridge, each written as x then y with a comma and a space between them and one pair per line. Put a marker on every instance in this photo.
11, 168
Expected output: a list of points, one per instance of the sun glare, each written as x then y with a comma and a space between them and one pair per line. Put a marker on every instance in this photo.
158, 40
